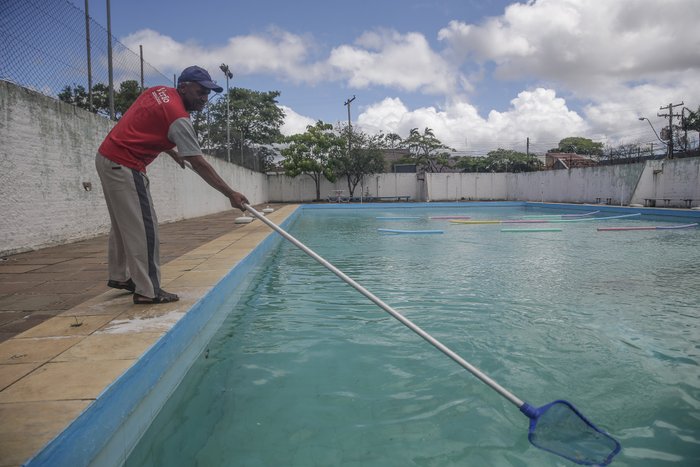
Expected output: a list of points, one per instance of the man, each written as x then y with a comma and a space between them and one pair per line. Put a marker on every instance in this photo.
158, 121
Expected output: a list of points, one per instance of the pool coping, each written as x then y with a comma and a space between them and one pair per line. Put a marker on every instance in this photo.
132, 391
92, 393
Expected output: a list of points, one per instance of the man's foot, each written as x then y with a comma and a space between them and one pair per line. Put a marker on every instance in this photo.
161, 297
125, 285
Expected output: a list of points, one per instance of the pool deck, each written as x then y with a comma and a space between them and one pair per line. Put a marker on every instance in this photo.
65, 336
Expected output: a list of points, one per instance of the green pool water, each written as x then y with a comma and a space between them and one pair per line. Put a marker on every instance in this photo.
307, 372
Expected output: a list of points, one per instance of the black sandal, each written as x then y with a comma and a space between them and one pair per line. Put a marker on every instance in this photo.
161, 297
124, 285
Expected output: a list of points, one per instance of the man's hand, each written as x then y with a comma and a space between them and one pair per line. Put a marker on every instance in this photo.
238, 200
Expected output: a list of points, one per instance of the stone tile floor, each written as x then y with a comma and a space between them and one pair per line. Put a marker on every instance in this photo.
65, 336
36, 285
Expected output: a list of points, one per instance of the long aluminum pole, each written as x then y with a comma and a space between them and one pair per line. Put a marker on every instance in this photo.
401, 318
228, 122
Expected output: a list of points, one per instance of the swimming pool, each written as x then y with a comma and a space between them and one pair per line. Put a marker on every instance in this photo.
305, 371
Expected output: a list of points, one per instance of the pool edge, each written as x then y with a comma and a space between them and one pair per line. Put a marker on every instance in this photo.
106, 430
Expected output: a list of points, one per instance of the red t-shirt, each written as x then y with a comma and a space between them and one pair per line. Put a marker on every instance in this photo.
142, 132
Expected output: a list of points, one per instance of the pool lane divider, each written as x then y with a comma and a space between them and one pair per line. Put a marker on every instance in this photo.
655, 227
449, 217
397, 218
544, 221
532, 230
409, 232
559, 216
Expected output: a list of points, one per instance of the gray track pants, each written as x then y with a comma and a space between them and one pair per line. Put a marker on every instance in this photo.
133, 239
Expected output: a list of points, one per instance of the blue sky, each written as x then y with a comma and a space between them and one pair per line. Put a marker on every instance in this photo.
481, 74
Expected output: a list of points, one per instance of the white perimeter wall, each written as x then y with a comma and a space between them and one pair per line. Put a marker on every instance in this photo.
676, 179
47, 152
303, 189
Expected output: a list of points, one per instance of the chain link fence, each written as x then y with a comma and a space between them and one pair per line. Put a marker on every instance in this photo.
50, 44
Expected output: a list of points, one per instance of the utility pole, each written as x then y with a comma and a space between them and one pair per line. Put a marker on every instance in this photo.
223, 67
670, 116
348, 102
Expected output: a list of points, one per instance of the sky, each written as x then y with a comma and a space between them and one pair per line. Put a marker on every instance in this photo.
481, 74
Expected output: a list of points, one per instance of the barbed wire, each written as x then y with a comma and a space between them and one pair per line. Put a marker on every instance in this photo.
44, 47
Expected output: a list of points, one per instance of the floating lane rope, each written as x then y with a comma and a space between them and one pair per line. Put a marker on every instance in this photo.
396, 218
559, 216
449, 217
588, 219
656, 227
457, 221
531, 230
543, 221
397, 231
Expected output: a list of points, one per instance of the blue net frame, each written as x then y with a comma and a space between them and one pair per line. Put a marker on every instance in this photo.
560, 428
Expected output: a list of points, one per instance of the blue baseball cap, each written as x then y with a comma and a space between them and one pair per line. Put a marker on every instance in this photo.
199, 75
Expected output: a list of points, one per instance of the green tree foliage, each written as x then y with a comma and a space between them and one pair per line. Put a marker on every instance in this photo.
312, 153
255, 119
364, 158
427, 151
129, 90
500, 160
579, 145
691, 122
77, 95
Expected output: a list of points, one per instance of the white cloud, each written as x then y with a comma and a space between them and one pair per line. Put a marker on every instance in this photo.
613, 60
585, 45
384, 58
293, 122
401, 61
538, 114
278, 53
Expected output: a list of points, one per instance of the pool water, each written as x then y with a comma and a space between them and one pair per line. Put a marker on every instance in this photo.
307, 372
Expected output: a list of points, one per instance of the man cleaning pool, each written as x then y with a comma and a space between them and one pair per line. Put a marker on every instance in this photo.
158, 121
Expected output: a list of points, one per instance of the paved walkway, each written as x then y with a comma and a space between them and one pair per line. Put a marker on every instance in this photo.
67, 336
38, 285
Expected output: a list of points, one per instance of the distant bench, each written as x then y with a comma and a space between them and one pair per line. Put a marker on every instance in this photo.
369, 199
651, 202
389, 198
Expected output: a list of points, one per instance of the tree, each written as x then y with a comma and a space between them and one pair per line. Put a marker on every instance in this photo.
506, 160
472, 164
427, 151
365, 157
255, 118
692, 122
579, 145
501, 160
129, 90
77, 95
311, 153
